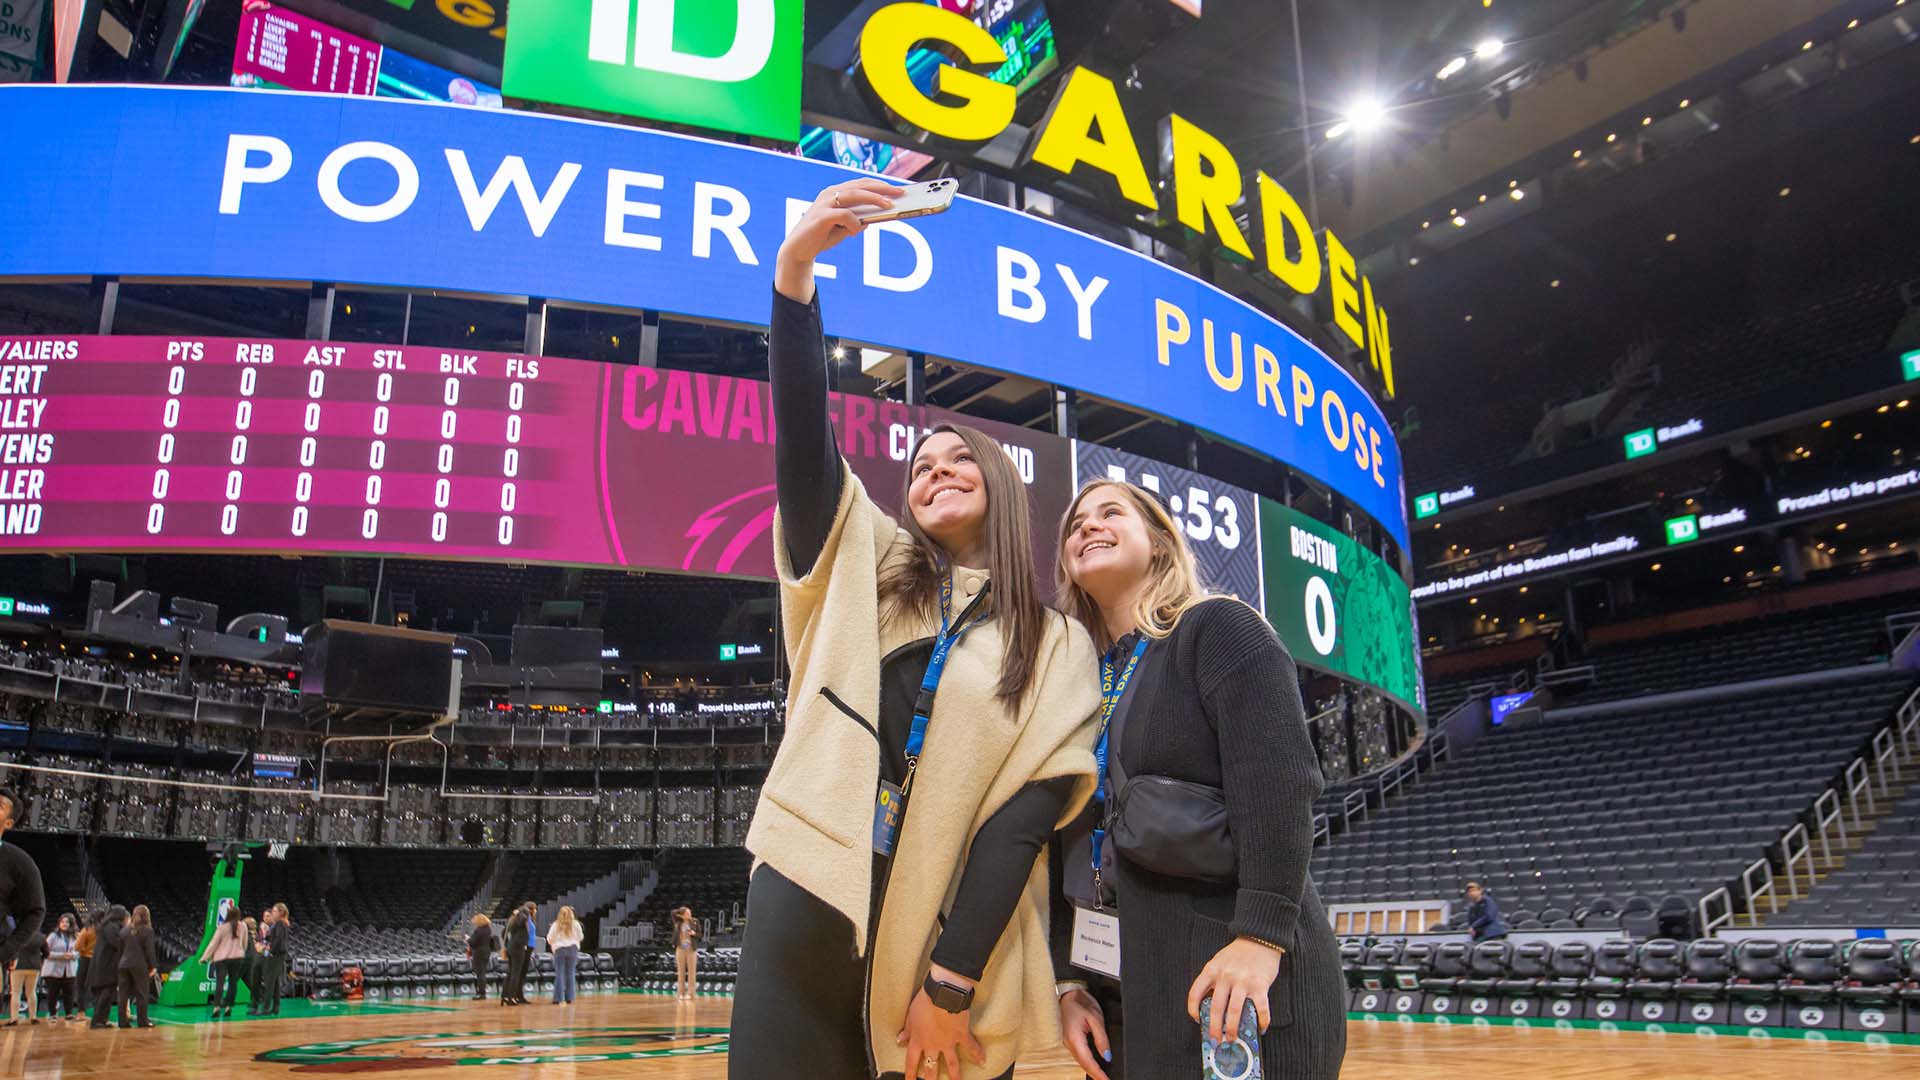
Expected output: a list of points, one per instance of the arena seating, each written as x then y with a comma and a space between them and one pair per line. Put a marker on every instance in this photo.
1789, 643
1878, 886
540, 876
1558, 816
711, 882
1815, 983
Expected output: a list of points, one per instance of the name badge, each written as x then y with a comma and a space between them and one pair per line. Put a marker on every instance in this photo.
886, 818
1096, 941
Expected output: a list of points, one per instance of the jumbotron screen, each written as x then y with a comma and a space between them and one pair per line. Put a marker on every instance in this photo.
129, 443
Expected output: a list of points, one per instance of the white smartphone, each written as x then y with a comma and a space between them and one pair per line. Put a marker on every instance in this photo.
916, 200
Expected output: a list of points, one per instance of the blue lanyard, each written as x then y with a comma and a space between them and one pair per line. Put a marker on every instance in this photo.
949, 636
1112, 689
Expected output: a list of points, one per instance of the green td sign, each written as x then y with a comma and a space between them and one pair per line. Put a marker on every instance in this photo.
729, 652
730, 65
1639, 443
1910, 365
6, 606
1425, 506
1682, 529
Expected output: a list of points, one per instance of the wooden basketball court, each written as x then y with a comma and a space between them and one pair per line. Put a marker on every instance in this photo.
645, 1036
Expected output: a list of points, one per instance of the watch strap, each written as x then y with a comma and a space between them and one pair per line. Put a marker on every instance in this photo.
946, 996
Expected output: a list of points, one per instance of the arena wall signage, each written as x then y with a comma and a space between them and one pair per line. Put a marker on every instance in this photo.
1849, 492
1638, 444
230, 445
731, 65
302, 187
1086, 128
1532, 564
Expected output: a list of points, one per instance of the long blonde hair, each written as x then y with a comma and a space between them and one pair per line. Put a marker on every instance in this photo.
1175, 587
565, 923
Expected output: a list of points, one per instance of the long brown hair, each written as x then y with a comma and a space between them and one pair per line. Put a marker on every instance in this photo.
1171, 567
911, 587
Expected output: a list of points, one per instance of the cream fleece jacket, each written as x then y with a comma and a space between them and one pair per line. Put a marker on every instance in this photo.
815, 816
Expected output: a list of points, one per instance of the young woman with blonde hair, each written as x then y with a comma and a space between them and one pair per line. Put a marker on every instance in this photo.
563, 941
1199, 842
939, 723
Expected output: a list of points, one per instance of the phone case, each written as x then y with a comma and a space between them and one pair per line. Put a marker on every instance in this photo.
1239, 1057
917, 200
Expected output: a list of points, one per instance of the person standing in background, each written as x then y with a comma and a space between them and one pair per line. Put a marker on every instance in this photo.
563, 940
1483, 915
480, 945
250, 964
686, 952
518, 944
21, 895
84, 946
104, 975
139, 963
26, 980
63, 959
225, 955
278, 936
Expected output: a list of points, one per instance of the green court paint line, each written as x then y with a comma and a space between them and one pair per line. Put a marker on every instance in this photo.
1872, 1038
291, 1009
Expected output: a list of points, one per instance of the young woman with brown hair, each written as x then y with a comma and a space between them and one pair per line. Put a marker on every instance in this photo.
938, 730
139, 963
1206, 726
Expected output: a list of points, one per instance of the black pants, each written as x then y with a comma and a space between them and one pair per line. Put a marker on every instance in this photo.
105, 997
482, 963
266, 995
85, 991
801, 991
226, 982
60, 999
133, 992
516, 987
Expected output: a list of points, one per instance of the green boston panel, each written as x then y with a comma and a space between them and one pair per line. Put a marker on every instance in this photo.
1337, 606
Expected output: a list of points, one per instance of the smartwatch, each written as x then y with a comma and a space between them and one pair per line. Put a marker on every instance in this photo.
947, 997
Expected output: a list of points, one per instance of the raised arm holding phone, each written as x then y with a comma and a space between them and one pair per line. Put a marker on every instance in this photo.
939, 730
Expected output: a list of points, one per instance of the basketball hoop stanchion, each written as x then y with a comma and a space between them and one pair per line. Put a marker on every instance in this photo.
190, 984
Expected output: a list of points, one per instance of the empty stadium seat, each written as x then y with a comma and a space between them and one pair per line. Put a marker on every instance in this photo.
1606, 990
1754, 992
1812, 984
1658, 966
1876, 972
1442, 982
1702, 989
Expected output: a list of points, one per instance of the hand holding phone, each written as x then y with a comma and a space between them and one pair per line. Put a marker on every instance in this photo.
914, 200
1235, 1057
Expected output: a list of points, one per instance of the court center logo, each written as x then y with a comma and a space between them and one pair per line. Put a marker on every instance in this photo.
731, 65
558, 1046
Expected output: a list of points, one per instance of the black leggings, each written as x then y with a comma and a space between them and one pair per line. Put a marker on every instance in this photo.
60, 995
801, 991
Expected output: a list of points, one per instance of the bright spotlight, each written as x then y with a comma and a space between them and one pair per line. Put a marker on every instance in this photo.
1490, 49
1453, 67
1363, 118
1338, 129
1459, 222
1517, 194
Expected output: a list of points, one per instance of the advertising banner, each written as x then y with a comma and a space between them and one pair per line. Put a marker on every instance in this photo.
1350, 611
1221, 521
729, 65
20, 24
374, 191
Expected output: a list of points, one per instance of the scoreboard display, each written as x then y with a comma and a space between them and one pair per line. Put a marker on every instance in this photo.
125, 444
220, 444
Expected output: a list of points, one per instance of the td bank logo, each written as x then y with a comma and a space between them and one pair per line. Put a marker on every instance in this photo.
1425, 506
1639, 443
730, 65
1682, 529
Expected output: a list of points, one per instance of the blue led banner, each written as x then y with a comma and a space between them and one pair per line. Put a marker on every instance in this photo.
200, 182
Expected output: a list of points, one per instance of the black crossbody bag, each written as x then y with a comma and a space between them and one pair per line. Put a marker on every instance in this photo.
1173, 827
